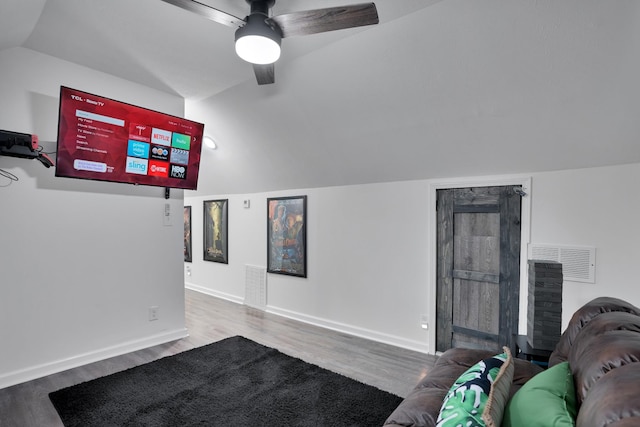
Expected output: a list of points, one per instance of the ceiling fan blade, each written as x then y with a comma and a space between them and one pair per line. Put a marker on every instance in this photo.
265, 74
328, 19
208, 12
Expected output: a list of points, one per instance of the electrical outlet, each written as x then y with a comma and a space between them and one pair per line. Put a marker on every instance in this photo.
424, 321
153, 313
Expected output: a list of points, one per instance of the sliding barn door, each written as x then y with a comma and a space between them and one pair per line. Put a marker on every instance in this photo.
478, 267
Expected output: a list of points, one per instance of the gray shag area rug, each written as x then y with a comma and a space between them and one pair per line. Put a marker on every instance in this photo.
234, 382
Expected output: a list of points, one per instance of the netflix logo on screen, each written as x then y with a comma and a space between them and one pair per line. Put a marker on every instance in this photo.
140, 132
158, 168
161, 136
178, 171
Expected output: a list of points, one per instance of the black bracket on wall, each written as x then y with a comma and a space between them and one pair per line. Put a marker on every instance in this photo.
23, 145
166, 193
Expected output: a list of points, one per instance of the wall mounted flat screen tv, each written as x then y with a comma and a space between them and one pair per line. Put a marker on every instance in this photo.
107, 140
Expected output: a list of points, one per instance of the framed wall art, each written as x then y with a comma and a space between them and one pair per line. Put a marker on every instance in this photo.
287, 235
187, 234
216, 228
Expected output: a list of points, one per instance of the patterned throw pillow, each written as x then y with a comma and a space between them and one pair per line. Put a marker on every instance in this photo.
479, 395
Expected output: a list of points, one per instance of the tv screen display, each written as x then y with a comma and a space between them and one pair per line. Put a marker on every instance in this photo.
107, 140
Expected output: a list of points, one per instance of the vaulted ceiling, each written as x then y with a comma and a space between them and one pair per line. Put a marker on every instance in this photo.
438, 89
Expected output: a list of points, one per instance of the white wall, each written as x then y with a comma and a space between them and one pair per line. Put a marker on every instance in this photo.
366, 256
368, 249
81, 262
592, 207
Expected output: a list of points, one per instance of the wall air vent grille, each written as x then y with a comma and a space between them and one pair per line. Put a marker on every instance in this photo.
255, 287
578, 262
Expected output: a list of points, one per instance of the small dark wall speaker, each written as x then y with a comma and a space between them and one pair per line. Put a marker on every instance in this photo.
544, 311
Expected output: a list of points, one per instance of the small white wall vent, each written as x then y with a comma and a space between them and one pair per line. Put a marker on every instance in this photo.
255, 287
578, 262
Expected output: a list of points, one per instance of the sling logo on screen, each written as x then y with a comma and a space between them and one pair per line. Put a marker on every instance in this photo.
178, 171
137, 166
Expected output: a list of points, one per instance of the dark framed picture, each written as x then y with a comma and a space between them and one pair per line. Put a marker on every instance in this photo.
287, 235
216, 228
187, 234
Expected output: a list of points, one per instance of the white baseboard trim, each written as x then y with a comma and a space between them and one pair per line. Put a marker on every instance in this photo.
421, 347
34, 372
213, 293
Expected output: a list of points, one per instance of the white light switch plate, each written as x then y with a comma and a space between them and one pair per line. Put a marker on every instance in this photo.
167, 215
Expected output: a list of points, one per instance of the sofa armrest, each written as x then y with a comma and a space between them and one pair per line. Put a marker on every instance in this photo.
583, 316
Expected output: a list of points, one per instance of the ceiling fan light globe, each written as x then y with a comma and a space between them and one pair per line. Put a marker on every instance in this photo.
258, 49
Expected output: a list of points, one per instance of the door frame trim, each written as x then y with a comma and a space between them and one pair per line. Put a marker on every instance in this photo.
525, 236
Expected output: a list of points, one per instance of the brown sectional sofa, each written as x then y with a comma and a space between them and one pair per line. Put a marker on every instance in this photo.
601, 344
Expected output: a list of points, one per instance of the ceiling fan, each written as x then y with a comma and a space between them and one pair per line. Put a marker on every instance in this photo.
258, 35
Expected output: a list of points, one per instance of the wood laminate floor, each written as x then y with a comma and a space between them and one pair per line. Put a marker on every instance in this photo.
210, 319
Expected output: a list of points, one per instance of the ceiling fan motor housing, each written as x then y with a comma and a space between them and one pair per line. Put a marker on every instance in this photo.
257, 26
259, 40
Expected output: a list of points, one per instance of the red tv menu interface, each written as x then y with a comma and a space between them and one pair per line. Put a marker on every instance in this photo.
103, 139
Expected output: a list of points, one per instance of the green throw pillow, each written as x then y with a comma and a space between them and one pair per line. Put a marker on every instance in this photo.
546, 400
479, 395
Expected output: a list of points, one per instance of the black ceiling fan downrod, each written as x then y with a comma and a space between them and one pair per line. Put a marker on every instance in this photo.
261, 6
